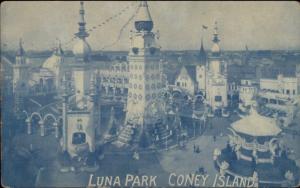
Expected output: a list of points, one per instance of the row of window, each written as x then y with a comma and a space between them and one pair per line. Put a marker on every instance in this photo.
147, 76
153, 86
183, 84
147, 66
288, 92
114, 80
140, 97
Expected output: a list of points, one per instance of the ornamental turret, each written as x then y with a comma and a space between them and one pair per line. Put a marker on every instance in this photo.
20, 56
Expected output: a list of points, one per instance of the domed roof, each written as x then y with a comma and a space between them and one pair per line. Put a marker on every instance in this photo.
256, 125
52, 62
81, 49
215, 48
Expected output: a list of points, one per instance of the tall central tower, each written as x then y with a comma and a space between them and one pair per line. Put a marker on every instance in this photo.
216, 92
145, 79
81, 51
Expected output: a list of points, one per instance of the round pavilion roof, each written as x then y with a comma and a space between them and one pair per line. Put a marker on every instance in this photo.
256, 125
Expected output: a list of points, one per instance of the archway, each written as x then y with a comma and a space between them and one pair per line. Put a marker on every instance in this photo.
50, 123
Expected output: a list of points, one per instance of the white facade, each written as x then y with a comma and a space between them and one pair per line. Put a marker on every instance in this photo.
201, 77
285, 85
247, 92
145, 71
217, 89
186, 82
79, 120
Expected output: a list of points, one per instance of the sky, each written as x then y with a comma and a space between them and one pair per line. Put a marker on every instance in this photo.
259, 25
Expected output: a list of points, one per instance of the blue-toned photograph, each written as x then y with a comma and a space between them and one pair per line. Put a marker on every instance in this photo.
150, 94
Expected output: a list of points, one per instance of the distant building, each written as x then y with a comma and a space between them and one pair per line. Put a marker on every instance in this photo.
192, 77
287, 86
247, 92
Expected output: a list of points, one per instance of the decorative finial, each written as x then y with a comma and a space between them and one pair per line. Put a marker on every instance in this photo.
58, 49
216, 38
82, 32
20, 51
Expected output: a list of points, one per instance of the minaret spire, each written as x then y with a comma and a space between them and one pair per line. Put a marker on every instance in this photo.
20, 51
58, 49
82, 34
216, 38
201, 48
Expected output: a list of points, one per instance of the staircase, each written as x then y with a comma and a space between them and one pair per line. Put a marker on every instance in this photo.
163, 135
126, 136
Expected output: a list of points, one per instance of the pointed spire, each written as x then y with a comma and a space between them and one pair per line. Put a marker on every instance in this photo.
82, 32
201, 48
20, 51
202, 53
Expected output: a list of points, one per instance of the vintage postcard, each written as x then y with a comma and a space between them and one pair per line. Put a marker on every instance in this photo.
150, 94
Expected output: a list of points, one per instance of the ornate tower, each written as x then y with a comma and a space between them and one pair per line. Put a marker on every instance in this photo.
20, 78
144, 67
216, 92
20, 71
81, 50
145, 79
79, 110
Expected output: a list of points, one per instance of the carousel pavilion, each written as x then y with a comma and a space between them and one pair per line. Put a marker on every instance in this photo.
254, 151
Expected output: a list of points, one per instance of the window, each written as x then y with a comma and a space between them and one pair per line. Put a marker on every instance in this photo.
294, 92
273, 101
78, 138
140, 97
148, 97
288, 91
178, 83
218, 98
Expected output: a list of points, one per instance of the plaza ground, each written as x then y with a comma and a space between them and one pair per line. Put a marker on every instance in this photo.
119, 162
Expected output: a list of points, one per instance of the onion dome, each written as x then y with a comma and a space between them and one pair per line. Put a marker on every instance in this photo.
143, 18
53, 62
81, 49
